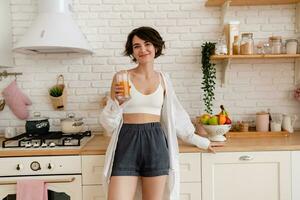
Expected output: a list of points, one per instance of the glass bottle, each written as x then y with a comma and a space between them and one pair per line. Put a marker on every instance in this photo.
247, 44
235, 45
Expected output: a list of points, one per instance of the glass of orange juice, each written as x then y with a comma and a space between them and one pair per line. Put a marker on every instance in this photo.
123, 80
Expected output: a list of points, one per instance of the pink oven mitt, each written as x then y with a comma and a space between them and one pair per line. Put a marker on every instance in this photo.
16, 100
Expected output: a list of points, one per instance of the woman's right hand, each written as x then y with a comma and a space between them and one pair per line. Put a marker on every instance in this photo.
212, 145
119, 93
119, 89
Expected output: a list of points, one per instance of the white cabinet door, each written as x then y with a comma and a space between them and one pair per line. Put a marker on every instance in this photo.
5, 34
246, 176
190, 176
190, 191
295, 175
94, 192
92, 168
190, 167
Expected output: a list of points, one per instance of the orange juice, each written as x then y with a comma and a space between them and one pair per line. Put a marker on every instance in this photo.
123, 80
126, 86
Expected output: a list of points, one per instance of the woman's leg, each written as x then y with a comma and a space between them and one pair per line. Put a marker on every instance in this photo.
153, 187
122, 187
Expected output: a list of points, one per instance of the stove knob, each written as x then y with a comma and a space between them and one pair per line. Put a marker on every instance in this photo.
19, 167
36, 145
52, 144
35, 166
50, 166
28, 145
44, 145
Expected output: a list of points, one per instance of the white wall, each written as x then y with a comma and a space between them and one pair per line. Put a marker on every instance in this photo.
254, 85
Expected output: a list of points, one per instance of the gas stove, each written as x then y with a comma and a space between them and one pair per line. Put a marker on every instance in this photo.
54, 139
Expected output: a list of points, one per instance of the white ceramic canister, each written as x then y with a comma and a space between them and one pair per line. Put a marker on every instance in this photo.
291, 46
262, 122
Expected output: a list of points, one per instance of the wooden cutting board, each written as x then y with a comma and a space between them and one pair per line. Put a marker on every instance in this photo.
257, 134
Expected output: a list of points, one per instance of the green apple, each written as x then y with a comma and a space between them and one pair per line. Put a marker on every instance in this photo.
204, 118
213, 120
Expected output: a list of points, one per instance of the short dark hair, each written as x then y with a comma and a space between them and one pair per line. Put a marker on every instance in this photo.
148, 34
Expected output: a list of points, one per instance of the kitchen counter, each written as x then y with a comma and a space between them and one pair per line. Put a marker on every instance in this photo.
98, 145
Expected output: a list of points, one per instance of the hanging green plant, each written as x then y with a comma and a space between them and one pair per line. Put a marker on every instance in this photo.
209, 75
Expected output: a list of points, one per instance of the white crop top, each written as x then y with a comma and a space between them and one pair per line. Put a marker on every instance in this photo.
141, 103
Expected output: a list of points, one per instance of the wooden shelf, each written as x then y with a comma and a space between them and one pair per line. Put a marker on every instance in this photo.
225, 4
226, 59
226, 62
210, 3
256, 56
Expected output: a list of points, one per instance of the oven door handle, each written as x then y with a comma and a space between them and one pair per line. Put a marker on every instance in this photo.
56, 180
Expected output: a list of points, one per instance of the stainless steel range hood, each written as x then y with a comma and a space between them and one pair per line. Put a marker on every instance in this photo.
54, 31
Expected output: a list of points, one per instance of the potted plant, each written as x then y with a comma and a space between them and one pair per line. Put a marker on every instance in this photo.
209, 75
58, 94
56, 91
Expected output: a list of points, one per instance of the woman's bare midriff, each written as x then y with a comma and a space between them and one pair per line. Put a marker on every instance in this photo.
140, 118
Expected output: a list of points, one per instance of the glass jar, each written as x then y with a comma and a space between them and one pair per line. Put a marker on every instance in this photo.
267, 49
247, 44
260, 48
221, 47
291, 46
275, 44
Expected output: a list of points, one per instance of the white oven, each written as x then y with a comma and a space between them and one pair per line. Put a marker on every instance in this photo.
62, 173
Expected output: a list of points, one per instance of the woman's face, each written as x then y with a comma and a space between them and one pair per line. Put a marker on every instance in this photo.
143, 51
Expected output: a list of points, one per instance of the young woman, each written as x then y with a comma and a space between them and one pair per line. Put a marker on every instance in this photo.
143, 150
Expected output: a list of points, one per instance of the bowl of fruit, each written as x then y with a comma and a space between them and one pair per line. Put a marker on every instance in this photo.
216, 126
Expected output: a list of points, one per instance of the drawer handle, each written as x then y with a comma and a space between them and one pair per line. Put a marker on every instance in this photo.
66, 180
245, 158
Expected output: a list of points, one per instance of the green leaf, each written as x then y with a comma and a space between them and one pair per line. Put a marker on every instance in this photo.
209, 75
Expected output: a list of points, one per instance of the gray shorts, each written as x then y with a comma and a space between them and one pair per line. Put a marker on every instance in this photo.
142, 150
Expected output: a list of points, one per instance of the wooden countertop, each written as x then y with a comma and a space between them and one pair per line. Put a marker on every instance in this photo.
98, 145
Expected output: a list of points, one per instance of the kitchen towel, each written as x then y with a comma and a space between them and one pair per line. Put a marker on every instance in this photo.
16, 100
31, 189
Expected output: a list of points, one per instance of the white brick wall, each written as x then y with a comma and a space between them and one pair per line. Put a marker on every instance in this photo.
254, 85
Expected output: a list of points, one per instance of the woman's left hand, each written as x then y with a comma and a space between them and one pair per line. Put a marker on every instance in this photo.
214, 144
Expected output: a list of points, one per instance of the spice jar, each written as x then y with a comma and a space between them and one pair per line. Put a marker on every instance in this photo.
244, 126
291, 46
235, 45
275, 43
247, 44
